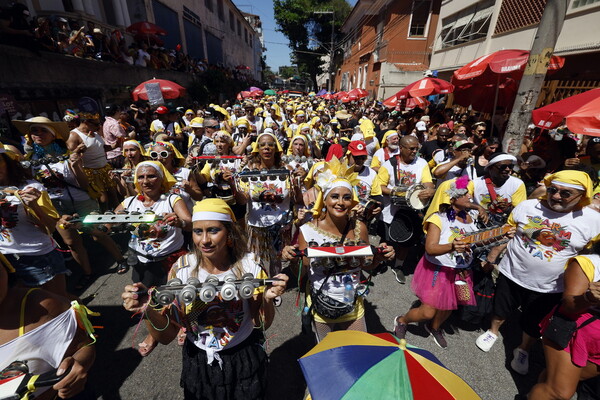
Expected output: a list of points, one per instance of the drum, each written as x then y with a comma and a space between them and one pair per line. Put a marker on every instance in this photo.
413, 200
406, 227
398, 196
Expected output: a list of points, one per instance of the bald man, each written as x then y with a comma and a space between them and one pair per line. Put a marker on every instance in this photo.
404, 169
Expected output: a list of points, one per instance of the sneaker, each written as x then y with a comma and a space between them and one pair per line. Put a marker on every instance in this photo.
438, 336
486, 340
277, 301
400, 277
520, 362
400, 328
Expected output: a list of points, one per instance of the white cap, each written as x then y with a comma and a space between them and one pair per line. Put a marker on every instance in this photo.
421, 126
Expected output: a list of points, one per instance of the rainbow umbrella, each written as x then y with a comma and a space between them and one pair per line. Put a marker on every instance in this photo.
357, 365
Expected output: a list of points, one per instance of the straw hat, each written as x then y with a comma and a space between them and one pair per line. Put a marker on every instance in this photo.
59, 129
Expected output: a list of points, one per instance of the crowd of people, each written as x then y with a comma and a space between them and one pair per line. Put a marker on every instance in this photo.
58, 34
241, 190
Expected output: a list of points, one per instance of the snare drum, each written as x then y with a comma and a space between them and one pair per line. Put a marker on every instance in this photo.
412, 197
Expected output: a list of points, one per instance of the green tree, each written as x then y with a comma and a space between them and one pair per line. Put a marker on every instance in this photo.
310, 33
287, 72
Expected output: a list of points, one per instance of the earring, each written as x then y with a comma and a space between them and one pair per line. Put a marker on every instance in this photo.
323, 209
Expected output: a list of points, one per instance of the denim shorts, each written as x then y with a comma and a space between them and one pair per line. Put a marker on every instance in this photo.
35, 271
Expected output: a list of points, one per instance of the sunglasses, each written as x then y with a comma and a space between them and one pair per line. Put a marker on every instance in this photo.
563, 193
480, 130
162, 154
212, 126
38, 131
504, 166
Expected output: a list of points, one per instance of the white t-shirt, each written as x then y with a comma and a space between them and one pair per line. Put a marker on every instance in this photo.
450, 231
160, 239
142, 56
407, 175
366, 179
511, 192
183, 174
262, 214
545, 240
57, 190
218, 324
380, 156
24, 238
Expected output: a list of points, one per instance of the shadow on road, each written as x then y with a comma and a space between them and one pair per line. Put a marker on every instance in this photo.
285, 376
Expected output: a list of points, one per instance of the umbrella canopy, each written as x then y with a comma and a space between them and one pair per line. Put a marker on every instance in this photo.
360, 93
321, 92
392, 102
349, 97
149, 38
328, 96
255, 89
339, 95
504, 62
270, 92
377, 367
425, 87
146, 28
483, 97
581, 111
169, 90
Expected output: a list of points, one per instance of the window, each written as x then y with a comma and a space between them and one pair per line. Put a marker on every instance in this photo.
246, 35
419, 17
220, 10
209, 5
467, 25
239, 24
231, 21
582, 3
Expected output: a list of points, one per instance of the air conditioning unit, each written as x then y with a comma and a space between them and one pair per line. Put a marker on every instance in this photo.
371, 82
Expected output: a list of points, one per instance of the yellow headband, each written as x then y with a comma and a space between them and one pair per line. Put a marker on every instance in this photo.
255, 144
573, 178
212, 210
298, 136
168, 180
136, 144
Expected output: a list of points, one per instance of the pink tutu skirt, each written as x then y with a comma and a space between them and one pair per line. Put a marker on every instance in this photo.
585, 344
435, 286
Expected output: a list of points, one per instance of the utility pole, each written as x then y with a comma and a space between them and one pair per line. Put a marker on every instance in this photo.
533, 78
332, 50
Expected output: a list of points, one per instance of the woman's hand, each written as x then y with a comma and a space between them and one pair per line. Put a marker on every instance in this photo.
594, 292
74, 381
277, 288
459, 246
30, 196
172, 219
65, 221
290, 252
387, 252
132, 301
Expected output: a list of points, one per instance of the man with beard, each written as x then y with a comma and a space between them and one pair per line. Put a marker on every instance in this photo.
391, 147
531, 272
497, 191
404, 169
441, 142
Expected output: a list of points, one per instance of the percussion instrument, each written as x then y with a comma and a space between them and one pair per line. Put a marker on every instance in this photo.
263, 175
121, 221
333, 255
206, 291
17, 383
408, 196
7, 191
218, 159
44, 161
485, 237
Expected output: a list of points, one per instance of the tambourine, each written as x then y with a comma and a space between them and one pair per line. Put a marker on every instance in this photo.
335, 255
408, 196
218, 159
207, 291
263, 175
44, 161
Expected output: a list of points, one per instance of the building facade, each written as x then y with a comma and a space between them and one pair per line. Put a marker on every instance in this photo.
386, 45
468, 30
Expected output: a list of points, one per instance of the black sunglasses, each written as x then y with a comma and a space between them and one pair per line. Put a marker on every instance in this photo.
212, 126
563, 193
155, 154
504, 166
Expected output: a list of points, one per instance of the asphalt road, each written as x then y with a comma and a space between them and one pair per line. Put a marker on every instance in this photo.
120, 373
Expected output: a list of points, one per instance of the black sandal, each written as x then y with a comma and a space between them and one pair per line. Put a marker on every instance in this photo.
122, 268
84, 281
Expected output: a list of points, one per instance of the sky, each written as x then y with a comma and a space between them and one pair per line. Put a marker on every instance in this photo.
278, 52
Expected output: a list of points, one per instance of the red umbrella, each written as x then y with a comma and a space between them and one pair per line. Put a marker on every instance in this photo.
149, 38
486, 98
392, 102
349, 97
146, 28
328, 96
505, 62
339, 95
425, 87
581, 111
170, 90
359, 93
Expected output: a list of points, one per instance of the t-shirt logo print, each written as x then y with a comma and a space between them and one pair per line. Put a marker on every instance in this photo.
544, 238
406, 178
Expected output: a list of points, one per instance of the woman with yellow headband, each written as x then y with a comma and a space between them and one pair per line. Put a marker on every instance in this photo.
26, 224
185, 185
335, 224
44, 331
134, 153
223, 356
269, 203
157, 245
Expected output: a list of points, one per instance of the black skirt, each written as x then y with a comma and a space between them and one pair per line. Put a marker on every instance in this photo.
243, 375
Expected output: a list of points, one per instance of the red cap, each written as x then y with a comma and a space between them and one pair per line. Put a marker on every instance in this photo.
162, 110
357, 148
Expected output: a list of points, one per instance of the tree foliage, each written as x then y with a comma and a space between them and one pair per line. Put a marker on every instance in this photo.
297, 20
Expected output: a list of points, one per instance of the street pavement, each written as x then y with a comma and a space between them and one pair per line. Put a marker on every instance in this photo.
121, 373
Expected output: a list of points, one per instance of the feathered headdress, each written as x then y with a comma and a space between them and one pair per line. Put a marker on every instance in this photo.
458, 187
335, 174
